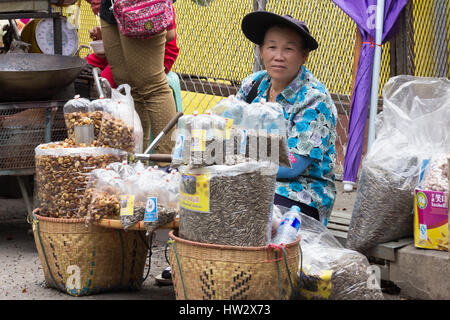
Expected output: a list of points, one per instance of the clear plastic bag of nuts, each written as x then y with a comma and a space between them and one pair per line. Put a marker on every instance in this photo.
96, 108
328, 271
117, 129
232, 110
147, 198
62, 174
77, 111
160, 193
104, 196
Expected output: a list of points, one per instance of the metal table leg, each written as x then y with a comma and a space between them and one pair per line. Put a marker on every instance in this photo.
23, 189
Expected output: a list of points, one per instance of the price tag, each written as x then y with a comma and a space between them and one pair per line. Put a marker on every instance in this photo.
151, 210
194, 192
198, 140
126, 205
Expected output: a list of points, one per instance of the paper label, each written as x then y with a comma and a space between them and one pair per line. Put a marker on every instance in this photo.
228, 126
320, 283
151, 210
243, 147
194, 192
198, 140
178, 149
292, 221
423, 232
126, 205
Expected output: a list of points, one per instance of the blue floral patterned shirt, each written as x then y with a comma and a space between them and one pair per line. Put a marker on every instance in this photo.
311, 121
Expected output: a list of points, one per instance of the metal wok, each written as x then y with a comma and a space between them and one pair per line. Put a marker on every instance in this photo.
34, 76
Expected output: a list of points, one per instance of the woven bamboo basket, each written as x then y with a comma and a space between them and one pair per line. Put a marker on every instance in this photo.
82, 261
203, 271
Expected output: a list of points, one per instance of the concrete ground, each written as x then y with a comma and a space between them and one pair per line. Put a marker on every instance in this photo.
22, 276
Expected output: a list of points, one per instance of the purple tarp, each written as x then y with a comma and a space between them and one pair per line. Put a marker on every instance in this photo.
363, 12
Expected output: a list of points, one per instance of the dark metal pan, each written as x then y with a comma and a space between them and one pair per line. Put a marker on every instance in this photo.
35, 76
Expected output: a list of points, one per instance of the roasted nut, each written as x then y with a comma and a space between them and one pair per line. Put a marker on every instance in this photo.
101, 205
61, 180
114, 133
83, 118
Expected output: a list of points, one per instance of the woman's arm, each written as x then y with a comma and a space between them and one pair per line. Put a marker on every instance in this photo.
298, 166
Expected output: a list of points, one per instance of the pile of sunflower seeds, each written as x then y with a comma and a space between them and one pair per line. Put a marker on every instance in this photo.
212, 128
259, 147
130, 220
165, 215
350, 280
383, 208
239, 210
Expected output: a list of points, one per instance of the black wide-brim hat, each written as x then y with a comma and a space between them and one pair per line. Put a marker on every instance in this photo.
255, 25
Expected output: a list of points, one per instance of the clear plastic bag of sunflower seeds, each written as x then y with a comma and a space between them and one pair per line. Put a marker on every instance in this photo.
266, 133
328, 271
207, 140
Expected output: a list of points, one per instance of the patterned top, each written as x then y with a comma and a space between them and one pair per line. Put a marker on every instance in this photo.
311, 116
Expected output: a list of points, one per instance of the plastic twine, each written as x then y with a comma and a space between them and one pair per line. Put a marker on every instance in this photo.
282, 248
171, 242
36, 224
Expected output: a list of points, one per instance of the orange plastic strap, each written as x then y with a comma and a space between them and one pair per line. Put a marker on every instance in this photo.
274, 247
372, 44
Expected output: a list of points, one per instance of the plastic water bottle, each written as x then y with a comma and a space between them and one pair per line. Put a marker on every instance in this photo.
288, 228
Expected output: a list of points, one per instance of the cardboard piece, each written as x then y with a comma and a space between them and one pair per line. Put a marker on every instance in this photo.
431, 229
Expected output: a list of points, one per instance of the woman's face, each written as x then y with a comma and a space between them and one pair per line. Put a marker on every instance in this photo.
282, 53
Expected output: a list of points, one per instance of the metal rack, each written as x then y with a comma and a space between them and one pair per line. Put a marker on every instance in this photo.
57, 27
34, 134
23, 126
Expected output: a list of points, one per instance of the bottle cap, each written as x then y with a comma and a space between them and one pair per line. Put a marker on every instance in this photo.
296, 208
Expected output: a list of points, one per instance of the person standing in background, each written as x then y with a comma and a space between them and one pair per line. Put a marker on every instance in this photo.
139, 63
100, 61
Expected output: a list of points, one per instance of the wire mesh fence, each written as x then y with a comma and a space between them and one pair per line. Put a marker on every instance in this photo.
215, 56
431, 38
22, 129
214, 52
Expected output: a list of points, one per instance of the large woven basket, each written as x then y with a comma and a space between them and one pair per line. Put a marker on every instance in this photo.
81, 261
203, 271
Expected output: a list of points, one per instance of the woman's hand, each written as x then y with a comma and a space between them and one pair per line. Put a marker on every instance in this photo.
170, 35
95, 33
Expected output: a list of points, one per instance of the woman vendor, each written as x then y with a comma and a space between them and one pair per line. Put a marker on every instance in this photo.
284, 45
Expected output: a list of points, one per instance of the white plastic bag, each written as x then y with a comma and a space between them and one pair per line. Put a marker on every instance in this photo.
416, 118
117, 130
328, 271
